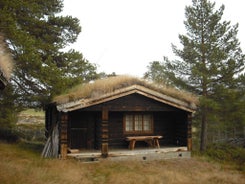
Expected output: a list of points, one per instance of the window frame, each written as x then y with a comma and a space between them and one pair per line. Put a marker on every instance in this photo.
134, 131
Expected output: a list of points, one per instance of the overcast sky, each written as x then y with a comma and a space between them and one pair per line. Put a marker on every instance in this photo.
124, 36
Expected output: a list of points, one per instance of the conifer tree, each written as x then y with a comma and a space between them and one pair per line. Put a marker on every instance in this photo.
37, 34
210, 64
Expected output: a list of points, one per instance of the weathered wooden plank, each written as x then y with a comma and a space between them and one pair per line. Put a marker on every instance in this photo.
140, 138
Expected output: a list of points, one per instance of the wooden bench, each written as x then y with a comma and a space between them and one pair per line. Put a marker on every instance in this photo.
150, 140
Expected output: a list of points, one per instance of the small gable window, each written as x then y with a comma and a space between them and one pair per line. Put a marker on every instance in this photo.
138, 123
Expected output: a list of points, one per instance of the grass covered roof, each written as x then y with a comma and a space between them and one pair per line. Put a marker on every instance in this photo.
109, 85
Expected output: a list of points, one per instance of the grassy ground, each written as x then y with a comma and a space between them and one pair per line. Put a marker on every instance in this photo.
19, 163
32, 112
31, 125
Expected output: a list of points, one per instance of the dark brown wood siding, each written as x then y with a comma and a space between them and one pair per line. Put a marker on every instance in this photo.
116, 137
84, 130
85, 124
164, 126
171, 125
181, 128
133, 102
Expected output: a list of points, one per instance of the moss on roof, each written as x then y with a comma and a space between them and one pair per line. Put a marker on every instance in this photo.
111, 84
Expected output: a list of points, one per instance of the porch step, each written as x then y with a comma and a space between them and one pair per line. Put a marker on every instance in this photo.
140, 154
73, 150
153, 156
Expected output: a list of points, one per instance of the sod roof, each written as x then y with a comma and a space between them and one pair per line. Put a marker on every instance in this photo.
114, 87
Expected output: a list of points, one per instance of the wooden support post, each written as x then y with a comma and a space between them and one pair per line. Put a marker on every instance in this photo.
63, 135
104, 133
189, 132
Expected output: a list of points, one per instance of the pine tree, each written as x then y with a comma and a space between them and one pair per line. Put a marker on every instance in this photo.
211, 62
157, 73
37, 36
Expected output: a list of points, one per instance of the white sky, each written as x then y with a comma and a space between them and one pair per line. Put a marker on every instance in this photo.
124, 36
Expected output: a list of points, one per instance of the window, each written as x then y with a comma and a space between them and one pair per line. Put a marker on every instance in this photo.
138, 123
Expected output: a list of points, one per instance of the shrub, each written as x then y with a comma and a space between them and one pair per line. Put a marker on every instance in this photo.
35, 147
227, 153
9, 135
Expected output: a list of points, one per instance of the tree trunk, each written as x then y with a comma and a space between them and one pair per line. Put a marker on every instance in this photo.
204, 94
203, 131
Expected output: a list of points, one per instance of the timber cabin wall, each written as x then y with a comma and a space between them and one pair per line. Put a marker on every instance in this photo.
84, 130
169, 122
171, 125
116, 136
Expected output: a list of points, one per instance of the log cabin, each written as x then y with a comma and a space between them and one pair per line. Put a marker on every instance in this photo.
107, 113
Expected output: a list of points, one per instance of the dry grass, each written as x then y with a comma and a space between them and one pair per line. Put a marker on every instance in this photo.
108, 85
23, 166
6, 62
32, 112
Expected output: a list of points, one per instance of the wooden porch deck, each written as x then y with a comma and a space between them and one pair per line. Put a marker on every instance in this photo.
137, 154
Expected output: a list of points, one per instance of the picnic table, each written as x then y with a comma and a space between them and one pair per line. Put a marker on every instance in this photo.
152, 140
